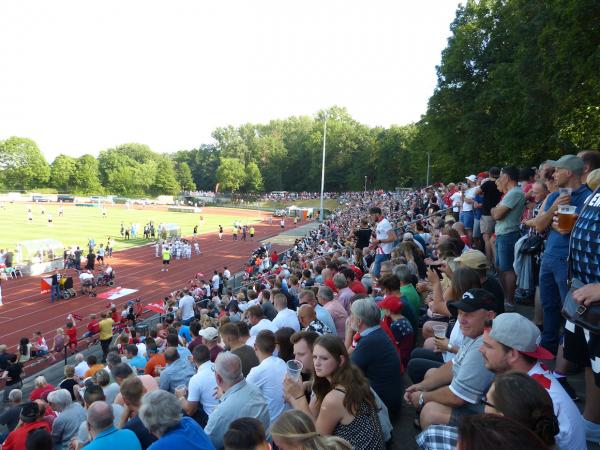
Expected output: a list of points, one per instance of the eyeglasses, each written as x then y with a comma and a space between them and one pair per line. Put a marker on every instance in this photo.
484, 401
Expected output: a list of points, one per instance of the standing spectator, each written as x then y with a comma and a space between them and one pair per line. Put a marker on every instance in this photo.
376, 355
239, 399
104, 435
363, 234
269, 374
467, 215
507, 215
70, 416
385, 237
106, 333
491, 197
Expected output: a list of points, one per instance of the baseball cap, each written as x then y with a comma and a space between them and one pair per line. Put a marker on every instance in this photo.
472, 178
569, 162
29, 411
473, 259
473, 300
518, 332
449, 218
392, 303
209, 333
482, 175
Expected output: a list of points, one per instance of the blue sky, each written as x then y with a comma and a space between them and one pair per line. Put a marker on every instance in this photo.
81, 76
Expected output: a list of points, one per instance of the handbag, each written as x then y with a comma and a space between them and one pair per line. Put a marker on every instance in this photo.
587, 317
532, 245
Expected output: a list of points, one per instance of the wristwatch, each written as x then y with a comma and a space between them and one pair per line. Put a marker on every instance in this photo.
421, 402
450, 347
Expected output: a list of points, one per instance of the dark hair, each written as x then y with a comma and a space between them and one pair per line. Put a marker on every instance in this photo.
463, 279
494, 172
526, 173
511, 172
375, 210
309, 336
255, 311
121, 370
243, 328
201, 354
38, 439
265, 341
591, 158
348, 273
230, 329
390, 282
282, 338
448, 249
491, 431
172, 340
23, 343
91, 360
347, 376
244, 434
93, 393
132, 348
521, 398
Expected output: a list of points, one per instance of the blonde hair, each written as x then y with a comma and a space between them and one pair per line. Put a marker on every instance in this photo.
40, 381
298, 429
60, 331
593, 179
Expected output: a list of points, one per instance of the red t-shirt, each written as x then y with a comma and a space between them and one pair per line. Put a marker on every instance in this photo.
18, 438
329, 282
358, 288
72, 334
93, 327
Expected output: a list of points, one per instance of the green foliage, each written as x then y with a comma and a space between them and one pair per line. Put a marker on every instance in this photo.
61, 172
253, 181
165, 181
23, 165
231, 174
183, 174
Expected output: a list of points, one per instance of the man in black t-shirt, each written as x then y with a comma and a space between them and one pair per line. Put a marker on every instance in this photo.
491, 197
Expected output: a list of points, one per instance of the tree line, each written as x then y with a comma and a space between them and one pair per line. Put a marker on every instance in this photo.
518, 83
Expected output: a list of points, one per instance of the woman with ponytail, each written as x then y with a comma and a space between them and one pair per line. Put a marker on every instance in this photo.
342, 403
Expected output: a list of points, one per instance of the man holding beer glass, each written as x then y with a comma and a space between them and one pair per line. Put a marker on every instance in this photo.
567, 201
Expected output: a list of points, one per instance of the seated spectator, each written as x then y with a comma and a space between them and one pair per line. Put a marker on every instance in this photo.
10, 416
210, 338
93, 365
12, 376
285, 317
156, 359
133, 359
82, 366
308, 297
236, 344
104, 434
41, 389
511, 344
283, 346
486, 431
407, 290
161, 415
239, 399
177, 373
295, 429
343, 404
30, 421
40, 347
477, 261
399, 326
201, 401
132, 391
455, 389
337, 310
353, 283
303, 342
195, 334
24, 349
344, 293
375, 354
269, 374
308, 320
246, 433
513, 395
70, 416
110, 389
258, 321
39, 439
93, 327
173, 342
122, 371
69, 382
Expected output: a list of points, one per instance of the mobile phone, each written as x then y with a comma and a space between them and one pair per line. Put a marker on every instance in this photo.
436, 268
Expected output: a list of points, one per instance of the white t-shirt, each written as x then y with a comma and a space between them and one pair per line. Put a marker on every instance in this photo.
469, 193
382, 232
186, 305
227, 273
268, 378
286, 318
264, 324
215, 281
570, 422
456, 200
201, 388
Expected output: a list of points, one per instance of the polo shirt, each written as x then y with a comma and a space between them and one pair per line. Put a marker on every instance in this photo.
286, 318
175, 374
268, 378
138, 362
412, 297
515, 200
202, 386
114, 438
470, 378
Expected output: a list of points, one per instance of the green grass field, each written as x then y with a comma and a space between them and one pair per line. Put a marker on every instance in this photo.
79, 224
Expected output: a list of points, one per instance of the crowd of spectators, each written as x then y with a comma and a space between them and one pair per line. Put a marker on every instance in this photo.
313, 350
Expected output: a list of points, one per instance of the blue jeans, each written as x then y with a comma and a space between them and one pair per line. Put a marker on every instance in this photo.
54, 293
553, 290
467, 218
505, 251
379, 258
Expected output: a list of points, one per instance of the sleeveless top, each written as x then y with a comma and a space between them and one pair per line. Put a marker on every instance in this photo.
364, 432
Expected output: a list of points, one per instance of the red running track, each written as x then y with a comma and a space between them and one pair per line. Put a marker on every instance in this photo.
26, 311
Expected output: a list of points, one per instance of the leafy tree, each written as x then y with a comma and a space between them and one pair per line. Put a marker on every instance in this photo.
183, 174
86, 176
61, 172
22, 164
231, 174
253, 181
165, 181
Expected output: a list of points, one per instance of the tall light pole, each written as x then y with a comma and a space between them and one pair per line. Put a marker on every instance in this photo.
365, 183
428, 162
321, 215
